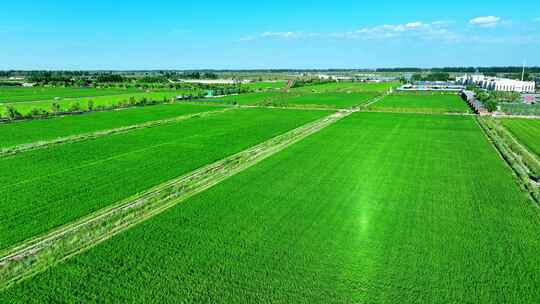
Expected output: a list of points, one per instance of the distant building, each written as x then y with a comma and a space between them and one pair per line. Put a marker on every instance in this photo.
432, 86
497, 84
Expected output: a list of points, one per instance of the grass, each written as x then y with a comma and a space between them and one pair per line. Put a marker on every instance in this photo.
65, 104
12, 134
10, 95
421, 103
527, 131
520, 108
266, 85
331, 100
378, 208
44, 189
248, 98
299, 99
346, 87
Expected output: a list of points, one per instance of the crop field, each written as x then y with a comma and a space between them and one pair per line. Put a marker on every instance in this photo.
249, 98
43, 189
331, 100
527, 131
47, 129
299, 99
379, 207
347, 87
421, 103
266, 85
520, 108
65, 104
10, 95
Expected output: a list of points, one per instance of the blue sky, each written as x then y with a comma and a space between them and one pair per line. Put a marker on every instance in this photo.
47, 34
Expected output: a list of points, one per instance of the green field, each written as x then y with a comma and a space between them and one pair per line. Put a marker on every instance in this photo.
248, 98
297, 99
266, 85
46, 188
66, 104
12, 134
527, 131
378, 208
346, 87
520, 108
331, 100
421, 103
9, 95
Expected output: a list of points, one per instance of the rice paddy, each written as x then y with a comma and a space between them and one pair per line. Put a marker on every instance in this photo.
421, 103
410, 206
527, 131
391, 208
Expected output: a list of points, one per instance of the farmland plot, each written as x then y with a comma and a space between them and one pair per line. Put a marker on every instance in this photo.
104, 101
46, 129
248, 98
421, 103
266, 85
297, 99
42, 93
376, 208
330, 100
345, 87
43, 189
527, 131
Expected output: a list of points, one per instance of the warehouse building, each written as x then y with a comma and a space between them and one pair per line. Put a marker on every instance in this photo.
497, 84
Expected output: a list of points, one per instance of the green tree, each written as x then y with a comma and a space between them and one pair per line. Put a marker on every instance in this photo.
417, 77
13, 113
491, 104
55, 107
75, 107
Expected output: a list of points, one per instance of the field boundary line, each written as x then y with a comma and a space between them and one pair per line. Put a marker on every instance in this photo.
424, 113
13, 150
36, 255
374, 100
515, 116
289, 107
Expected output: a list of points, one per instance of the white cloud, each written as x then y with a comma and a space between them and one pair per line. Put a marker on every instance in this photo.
285, 35
417, 29
413, 25
485, 21
441, 30
278, 35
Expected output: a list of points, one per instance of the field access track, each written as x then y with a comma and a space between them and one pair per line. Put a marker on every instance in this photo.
377, 207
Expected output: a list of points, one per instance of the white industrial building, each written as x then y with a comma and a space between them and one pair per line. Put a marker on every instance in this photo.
497, 84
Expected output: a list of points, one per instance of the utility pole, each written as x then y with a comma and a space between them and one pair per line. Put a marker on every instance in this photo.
523, 73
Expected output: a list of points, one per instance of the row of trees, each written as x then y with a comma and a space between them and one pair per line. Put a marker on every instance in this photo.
310, 82
12, 113
436, 76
